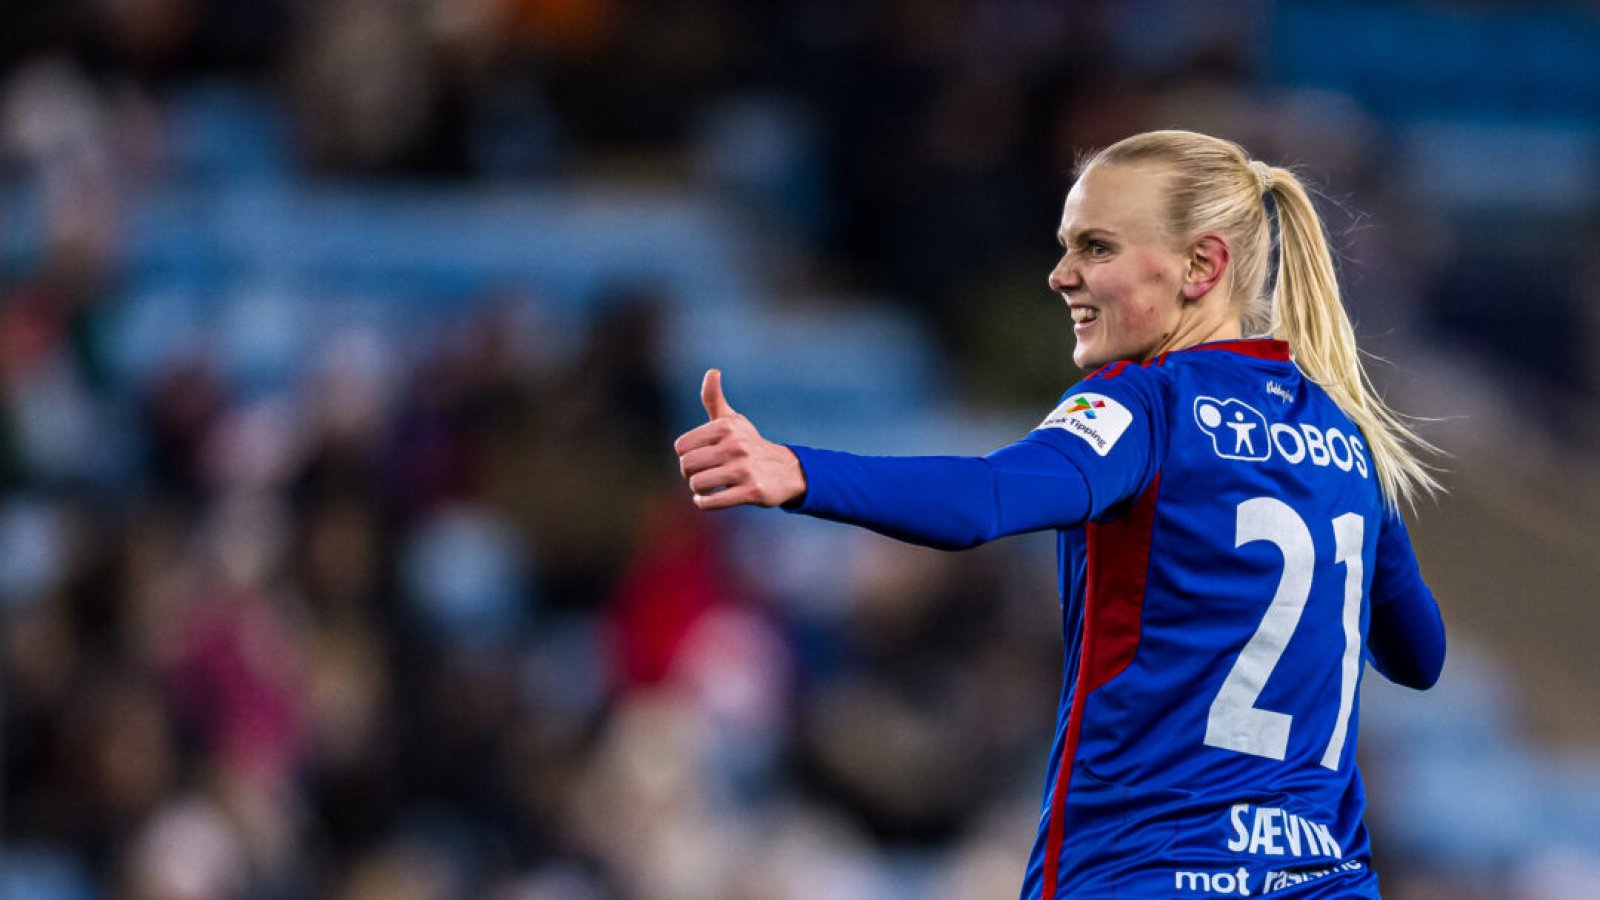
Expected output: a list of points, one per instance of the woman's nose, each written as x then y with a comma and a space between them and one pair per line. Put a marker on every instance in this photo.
1062, 277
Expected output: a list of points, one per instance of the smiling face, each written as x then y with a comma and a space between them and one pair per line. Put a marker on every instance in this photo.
1134, 290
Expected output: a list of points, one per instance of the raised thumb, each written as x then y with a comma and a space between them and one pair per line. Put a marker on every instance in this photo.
711, 396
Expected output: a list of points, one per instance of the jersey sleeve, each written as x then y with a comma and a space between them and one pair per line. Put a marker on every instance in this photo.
1406, 639
1095, 450
1110, 427
947, 502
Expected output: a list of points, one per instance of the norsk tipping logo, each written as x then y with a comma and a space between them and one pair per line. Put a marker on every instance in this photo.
1095, 418
1082, 404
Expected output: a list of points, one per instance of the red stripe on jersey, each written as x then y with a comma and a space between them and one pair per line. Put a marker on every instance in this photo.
1113, 601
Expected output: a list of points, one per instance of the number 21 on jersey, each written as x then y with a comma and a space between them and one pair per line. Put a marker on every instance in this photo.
1234, 721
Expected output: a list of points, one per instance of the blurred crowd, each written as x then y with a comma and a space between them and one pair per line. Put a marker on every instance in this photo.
434, 618
459, 634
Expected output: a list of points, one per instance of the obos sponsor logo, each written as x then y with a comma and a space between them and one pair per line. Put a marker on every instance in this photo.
1096, 418
1239, 431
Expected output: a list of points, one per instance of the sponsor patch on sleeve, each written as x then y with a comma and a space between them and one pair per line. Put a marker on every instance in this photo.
1096, 418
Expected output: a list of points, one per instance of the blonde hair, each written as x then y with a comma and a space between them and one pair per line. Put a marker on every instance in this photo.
1216, 187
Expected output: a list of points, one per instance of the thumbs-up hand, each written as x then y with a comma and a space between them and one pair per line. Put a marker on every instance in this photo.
728, 463
711, 396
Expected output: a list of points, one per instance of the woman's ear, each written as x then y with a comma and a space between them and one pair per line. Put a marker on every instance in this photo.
1208, 265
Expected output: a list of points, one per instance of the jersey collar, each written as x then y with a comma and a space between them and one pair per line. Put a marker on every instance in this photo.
1260, 348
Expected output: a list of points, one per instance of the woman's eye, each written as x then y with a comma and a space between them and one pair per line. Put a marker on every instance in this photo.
1097, 248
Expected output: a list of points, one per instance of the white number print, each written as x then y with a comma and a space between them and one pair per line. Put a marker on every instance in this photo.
1348, 531
1235, 722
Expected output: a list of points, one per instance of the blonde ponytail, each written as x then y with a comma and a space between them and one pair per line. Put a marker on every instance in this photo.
1216, 186
1309, 314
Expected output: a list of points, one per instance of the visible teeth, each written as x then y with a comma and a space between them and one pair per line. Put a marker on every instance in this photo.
1084, 314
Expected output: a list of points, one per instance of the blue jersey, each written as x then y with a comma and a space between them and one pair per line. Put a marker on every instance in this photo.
1224, 552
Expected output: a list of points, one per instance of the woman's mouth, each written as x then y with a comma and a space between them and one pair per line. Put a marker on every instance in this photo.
1084, 314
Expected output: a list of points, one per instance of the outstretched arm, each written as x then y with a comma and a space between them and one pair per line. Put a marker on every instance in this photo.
949, 502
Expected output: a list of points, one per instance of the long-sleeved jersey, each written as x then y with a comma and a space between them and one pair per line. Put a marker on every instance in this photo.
1226, 562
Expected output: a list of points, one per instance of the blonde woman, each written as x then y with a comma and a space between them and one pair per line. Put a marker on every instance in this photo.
1230, 549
